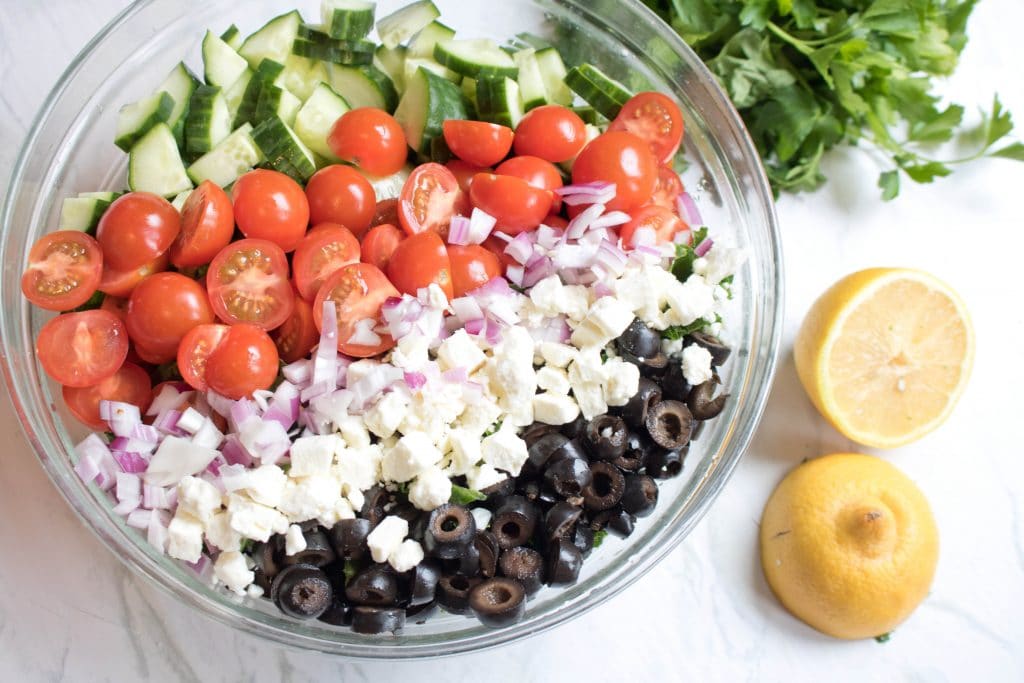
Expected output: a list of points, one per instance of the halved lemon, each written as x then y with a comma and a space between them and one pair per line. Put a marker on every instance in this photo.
884, 354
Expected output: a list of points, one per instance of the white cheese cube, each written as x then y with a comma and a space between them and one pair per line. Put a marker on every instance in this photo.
360, 369
232, 570
313, 455
406, 556
294, 540
413, 453
220, 533
554, 380
386, 414
265, 484
482, 517
555, 409
198, 498
722, 262
690, 301
357, 468
353, 430
622, 379
386, 537
253, 520
590, 398
504, 450
478, 417
697, 364
310, 498
557, 355
411, 353
607, 319
431, 488
465, 450
483, 476
460, 351
185, 537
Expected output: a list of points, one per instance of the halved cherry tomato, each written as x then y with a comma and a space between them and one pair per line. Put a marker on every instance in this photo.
341, 194
665, 224
297, 337
120, 283
207, 223
130, 384
621, 158
420, 260
371, 139
248, 283
472, 266
357, 291
161, 311
135, 229
555, 221
667, 189
82, 349
195, 350
538, 173
64, 270
478, 142
115, 305
428, 200
464, 173
385, 212
656, 120
271, 206
322, 251
379, 244
552, 132
516, 204
242, 362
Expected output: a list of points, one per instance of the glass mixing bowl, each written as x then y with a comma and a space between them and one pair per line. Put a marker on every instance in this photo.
70, 149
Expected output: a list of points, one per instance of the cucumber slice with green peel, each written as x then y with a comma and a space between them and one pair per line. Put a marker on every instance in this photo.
498, 101
605, 95
221, 64
552, 70
208, 122
347, 19
267, 73
283, 150
179, 84
392, 62
589, 115
400, 26
232, 36
136, 119
469, 90
315, 119
388, 186
301, 76
234, 95
235, 155
475, 58
275, 101
154, 164
531, 82
104, 196
273, 41
428, 102
179, 200
349, 53
82, 213
440, 152
414, 64
422, 46
364, 86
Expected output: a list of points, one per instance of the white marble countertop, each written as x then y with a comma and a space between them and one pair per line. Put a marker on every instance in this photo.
70, 611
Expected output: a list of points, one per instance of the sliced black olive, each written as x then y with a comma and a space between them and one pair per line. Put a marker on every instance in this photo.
640, 496
498, 602
376, 585
534, 432
698, 428
639, 340
621, 523
719, 351
576, 428
674, 385
264, 556
373, 504
424, 582
513, 523
530, 490
662, 463
419, 614
703, 403
568, 477
349, 538
406, 510
560, 520
302, 591
606, 487
487, 547
637, 446
371, 620
653, 366
453, 592
318, 551
669, 424
563, 562
525, 565
583, 538
571, 449
469, 561
635, 411
497, 492
540, 452
339, 613
606, 437
450, 529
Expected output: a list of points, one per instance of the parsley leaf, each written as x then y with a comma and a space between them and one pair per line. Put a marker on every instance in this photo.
464, 496
599, 537
679, 331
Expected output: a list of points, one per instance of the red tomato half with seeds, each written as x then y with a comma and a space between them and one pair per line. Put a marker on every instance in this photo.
357, 292
477, 142
135, 229
82, 349
667, 189
244, 361
248, 283
64, 270
207, 224
420, 260
195, 350
655, 119
516, 204
428, 200
130, 384
323, 250
297, 337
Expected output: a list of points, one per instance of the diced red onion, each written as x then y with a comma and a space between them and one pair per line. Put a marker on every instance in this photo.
576, 255
214, 468
260, 398
314, 391
458, 231
241, 411
516, 275
643, 237
325, 362
587, 193
400, 315
139, 519
503, 311
130, 461
201, 565
554, 329
375, 382
128, 492
87, 469
191, 420
466, 308
284, 406
492, 331
548, 237
156, 531
123, 444
233, 451
167, 422
415, 380
611, 220
219, 404
687, 209
481, 225
155, 497
601, 289
475, 326
520, 248
122, 417
704, 247
582, 222
169, 398
264, 440
455, 375
177, 457
208, 436
537, 272
472, 392
299, 373
611, 258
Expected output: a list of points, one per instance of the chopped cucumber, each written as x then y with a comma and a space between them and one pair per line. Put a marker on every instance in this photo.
400, 26
105, 196
136, 119
475, 58
414, 64
364, 86
531, 82
422, 46
267, 73
588, 114
605, 95
469, 90
347, 19
232, 36
498, 101
234, 95
350, 53
179, 200
552, 70
275, 101
273, 41
389, 186
154, 164
221, 64
235, 155
82, 213
301, 76
428, 102
209, 121
392, 62
315, 119
283, 150
179, 84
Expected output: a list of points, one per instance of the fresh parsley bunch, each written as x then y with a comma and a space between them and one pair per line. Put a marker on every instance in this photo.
808, 75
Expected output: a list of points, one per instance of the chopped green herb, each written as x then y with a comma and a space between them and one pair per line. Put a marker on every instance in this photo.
246, 545
493, 429
350, 570
95, 301
682, 266
463, 496
680, 331
884, 638
168, 372
109, 436
599, 537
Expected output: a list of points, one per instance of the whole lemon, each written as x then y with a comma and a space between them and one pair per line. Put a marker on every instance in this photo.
849, 545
